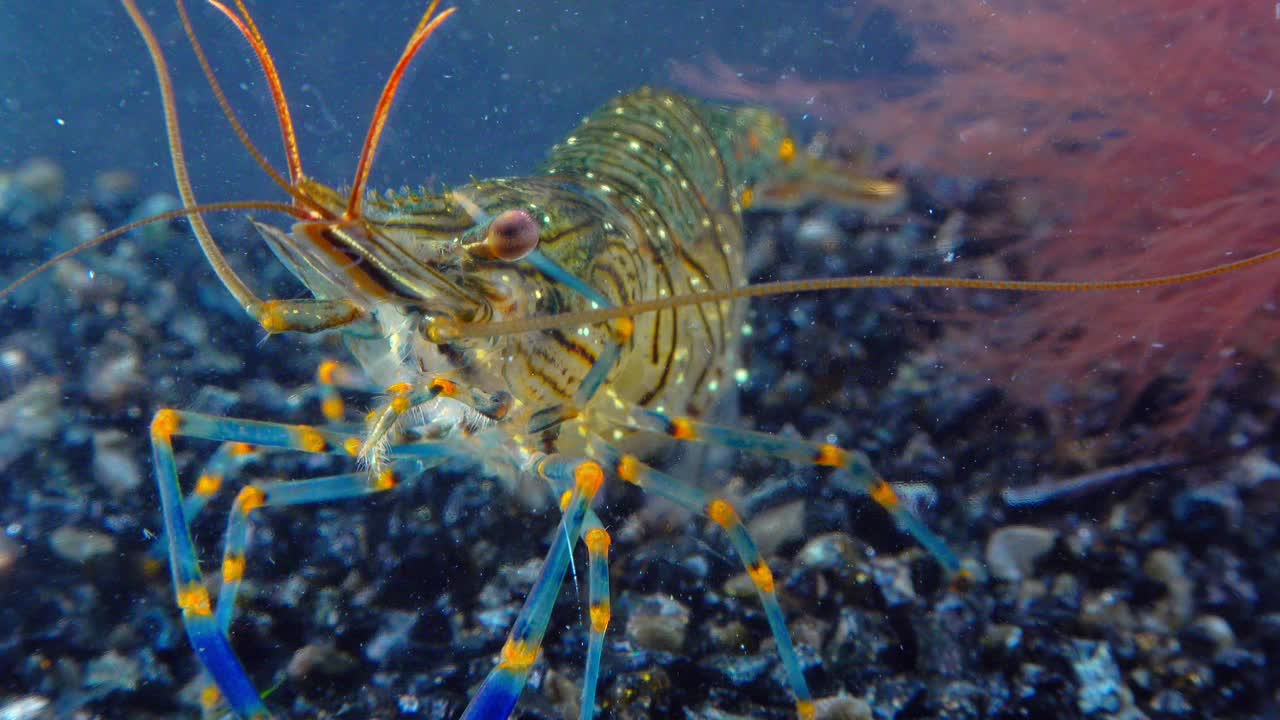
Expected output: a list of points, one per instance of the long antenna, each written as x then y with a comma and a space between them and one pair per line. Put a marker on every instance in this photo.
249, 30
444, 330
426, 26
300, 198
212, 252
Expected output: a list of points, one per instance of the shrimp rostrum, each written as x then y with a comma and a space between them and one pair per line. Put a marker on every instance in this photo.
562, 324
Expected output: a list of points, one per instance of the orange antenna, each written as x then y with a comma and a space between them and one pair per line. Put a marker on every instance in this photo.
426, 26
300, 199
250, 32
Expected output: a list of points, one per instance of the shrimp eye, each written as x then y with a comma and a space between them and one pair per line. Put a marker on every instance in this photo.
512, 235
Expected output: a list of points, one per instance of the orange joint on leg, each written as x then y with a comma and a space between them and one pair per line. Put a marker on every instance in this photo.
210, 696
233, 568
193, 599
723, 514
386, 480
310, 440
747, 199
327, 371
831, 456
805, 710
208, 484
762, 576
598, 541
250, 499
565, 497
600, 615
517, 655
272, 317
682, 429
352, 446
400, 404
629, 469
332, 407
240, 449
883, 493
165, 424
587, 478
402, 388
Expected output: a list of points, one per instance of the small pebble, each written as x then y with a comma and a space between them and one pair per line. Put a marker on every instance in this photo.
659, 623
115, 463
894, 580
1014, 550
394, 635
1106, 610
78, 545
116, 379
112, 672
1102, 691
115, 190
1213, 631
1165, 566
28, 418
42, 177
841, 707
27, 707
321, 659
739, 670
1002, 638
828, 551
1256, 468
776, 526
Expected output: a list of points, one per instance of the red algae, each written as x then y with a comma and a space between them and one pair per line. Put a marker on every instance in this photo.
1147, 132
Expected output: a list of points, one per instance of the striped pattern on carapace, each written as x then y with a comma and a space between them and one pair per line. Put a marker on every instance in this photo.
643, 200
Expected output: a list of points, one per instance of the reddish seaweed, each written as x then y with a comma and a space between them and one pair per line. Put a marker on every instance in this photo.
1146, 131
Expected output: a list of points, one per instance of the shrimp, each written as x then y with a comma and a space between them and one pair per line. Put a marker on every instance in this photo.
558, 327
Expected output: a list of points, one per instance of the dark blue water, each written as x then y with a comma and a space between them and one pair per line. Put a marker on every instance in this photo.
498, 86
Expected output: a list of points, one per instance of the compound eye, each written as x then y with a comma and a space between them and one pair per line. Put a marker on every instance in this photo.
512, 235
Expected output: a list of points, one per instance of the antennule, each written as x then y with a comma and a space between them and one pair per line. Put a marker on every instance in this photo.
123, 229
212, 252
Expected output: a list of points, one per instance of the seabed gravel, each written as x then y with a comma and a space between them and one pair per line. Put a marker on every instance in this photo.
1152, 596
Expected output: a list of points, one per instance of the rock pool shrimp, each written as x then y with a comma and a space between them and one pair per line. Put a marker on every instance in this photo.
559, 324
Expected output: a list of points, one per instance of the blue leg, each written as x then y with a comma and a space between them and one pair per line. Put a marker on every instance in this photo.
227, 461
282, 494
498, 694
635, 472
804, 452
597, 541
207, 637
599, 612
